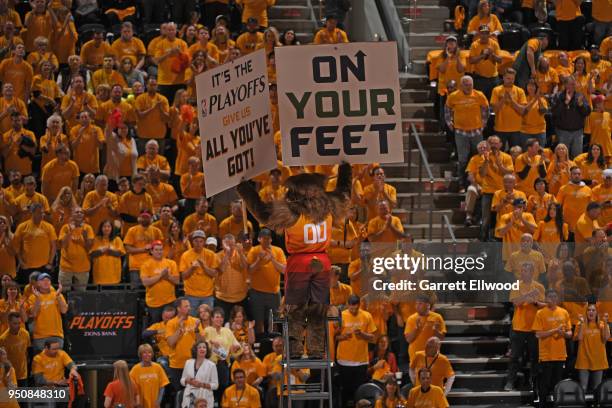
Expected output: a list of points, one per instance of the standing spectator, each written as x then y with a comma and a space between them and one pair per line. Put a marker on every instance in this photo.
182, 333
167, 54
77, 100
602, 193
128, 45
122, 390
484, 56
450, 68
199, 376
527, 300
138, 243
75, 239
52, 138
484, 17
135, 202
116, 103
551, 326
35, 243
466, 114
152, 158
58, 173
266, 264
94, 51
250, 40
586, 224
592, 335
602, 21
234, 224
352, 337
558, 173
339, 292
149, 377
8, 255
162, 194
201, 220
106, 252
16, 341
574, 198
569, 111
530, 166
240, 394
378, 190
9, 103
18, 72
100, 204
600, 126
512, 226
330, 34
18, 146
386, 227
503, 199
46, 307
422, 325
159, 276
231, 284
199, 266
569, 22
257, 9
426, 395
533, 123
442, 374
538, 203
592, 164
508, 102
528, 56
157, 333
153, 112
49, 365
29, 197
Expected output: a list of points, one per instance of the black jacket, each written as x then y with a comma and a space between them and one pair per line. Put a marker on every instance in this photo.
570, 116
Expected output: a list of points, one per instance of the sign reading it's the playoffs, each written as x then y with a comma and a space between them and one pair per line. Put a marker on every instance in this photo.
339, 102
235, 122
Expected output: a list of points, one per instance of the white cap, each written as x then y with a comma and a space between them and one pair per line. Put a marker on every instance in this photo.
607, 173
211, 241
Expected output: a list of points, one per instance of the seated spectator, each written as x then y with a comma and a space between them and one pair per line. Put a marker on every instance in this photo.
156, 334
46, 307
199, 376
558, 173
527, 300
235, 223
250, 40
382, 362
330, 34
592, 335
289, 38
240, 394
426, 394
122, 390
49, 365
149, 377
94, 51
16, 341
221, 39
106, 252
391, 396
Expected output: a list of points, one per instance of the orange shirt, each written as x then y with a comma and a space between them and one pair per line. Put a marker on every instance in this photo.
377, 224
305, 236
522, 161
233, 226
355, 275
600, 127
5, 123
574, 199
77, 106
11, 140
512, 238
106, 268
602, 194
199, 284
149, 381
162, 292
94, 55
49, 142
248, 42
547, 80
187, 145
92, 199
371, 196
52, 368
64, 43
56, 175
257, 9
85, 147
48, 321
354, 349
181, 352
537, 205
506, 118
192, 185
467, 109
432, 398
591, 349
525, 312
339, 295
152, 125
38, 25
547, 235
485, 68
19, 74
499, 197
265, 278
74, 257
139, 237
161, 194
231, 284
33, 243
494, 179
566, 10
324, 36
16, 346
210, 48
206, 223
552, 348
133, 48
558, 174
427, 323
166, 76
439, 365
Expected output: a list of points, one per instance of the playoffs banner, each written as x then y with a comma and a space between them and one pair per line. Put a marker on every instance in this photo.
339, 102
102, 325
235, 122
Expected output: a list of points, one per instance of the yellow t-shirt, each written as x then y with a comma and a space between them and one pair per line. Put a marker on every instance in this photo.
248, 42
433, 398
162, 292
427, 322
16, 347
48, 322
377, 224
140, 237
231, 284
5, 123
77, 106
518, 258
152, 125
181, 352
591, 349
252, 368
512, 238
499, 197
601, 194
149, 381
106, 268
574, 200
485, 68
552, 348
339, 296
103, 213
165, 74
11, 140
33, 242
467, 109
206, 223
232, 226
192, 185
526, 184
132, 48
507, 119
161, 194
439, 365
160, 338
257, 9
19, 74
210, 48
566, 10
355, 350
52, 368
56, 175
92, 55
600, 127
524, 313
248, 398
74, 257
371, 197
133, 204
199, 284
324, 36
266, 278
533, 122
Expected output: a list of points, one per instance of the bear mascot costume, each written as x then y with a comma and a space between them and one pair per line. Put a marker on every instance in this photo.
305, 216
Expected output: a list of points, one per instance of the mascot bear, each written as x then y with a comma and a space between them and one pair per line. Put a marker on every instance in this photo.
305, 216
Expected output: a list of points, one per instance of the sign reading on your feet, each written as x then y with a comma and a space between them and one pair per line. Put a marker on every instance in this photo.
339, 102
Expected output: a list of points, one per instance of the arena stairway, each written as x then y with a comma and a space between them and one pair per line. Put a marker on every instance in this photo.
296, 15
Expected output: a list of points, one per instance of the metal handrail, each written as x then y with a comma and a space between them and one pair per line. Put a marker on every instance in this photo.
423, 162
446, 224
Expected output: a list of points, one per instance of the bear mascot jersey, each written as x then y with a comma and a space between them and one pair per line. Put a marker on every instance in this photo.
305, 216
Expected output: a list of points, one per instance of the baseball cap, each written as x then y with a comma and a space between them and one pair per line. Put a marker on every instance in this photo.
450, 38
265, 232
43, 275
198, 234
607, 173
518, 201
211, 241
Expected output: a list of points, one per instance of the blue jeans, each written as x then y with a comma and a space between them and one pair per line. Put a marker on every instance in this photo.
513, 138
572, 139
195, 302
466, 146
135, 282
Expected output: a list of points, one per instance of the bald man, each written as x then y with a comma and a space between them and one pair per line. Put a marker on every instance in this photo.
442, 373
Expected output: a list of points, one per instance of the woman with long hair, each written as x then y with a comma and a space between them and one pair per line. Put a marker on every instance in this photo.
190, 34
12, 302
122, 390
534, 124
199, 376
176, 242
201, 62
221, 38
129, 73
176, 123
271, 40
551, 231
592, 334
8, 379
592, 164
391, 397
187, 145
558, 172
87, 184
289, 38
8, 255
252, 366
484, 17
205, 315
538, 203
52, 138
383, 364
584, 84
121, 154
239, 325
62, 207
106, 252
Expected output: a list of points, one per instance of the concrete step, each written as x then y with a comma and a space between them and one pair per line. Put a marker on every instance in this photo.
480, 381
465, 311
403, 170
445, 3
413, 185
431, 12
429, 38
442, 201
418, 110
475, 346
440, 231
423, 125
422, 51
413, 81
419, 66
416, 95
478, 364
419, 25
477, 398
478, 327
299, 25
289, 12
292, 3
419, 216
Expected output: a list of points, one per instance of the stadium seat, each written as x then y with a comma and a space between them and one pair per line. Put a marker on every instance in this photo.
512, 38
603, 394
568, 394
22, 8
552, 36
369, 391
86, 31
